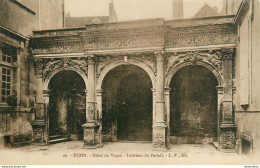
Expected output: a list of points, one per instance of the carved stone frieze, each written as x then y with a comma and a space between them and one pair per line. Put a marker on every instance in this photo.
97, 42
190, 38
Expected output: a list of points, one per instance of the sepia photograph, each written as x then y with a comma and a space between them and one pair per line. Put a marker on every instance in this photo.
129, 82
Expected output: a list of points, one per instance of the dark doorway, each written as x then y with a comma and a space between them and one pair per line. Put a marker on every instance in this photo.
67, 104
127, 105
193, 98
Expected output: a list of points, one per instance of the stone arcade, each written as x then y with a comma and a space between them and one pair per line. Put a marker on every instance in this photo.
149, 80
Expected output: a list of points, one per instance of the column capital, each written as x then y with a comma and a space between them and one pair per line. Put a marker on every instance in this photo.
153, 89
159, 55
227, 53
46, 93
39, 62
167, 91
90, 58
220, 89
99, 92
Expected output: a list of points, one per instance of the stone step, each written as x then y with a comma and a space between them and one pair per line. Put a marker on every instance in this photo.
54, 141
55, 137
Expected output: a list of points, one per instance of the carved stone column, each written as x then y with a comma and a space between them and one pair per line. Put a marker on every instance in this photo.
227, 127
167, 109
159, 129
46, 99
39, 124
99, 115
91, 127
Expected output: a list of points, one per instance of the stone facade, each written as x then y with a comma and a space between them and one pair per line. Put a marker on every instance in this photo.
159, 47
247, 78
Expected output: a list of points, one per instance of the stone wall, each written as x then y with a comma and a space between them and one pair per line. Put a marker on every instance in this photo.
15, 128
247, 100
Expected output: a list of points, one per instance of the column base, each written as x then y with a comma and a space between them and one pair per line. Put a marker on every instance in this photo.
160, 137
227, 138
91, 137
39, 134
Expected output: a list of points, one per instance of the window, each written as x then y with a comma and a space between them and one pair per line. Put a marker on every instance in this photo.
6, 83
8, 55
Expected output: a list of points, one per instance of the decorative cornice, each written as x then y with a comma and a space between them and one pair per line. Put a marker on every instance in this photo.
87, 41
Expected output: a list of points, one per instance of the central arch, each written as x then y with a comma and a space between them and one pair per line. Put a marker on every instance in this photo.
127, 105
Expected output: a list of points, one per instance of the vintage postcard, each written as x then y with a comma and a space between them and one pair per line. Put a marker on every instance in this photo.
129, 82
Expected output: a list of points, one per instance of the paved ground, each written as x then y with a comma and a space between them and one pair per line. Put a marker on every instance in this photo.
120, 153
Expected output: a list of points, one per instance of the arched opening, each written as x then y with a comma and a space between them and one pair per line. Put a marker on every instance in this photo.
67, 104
127, 104
193, 106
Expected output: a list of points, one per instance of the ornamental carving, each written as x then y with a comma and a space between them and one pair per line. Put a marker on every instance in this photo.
212, 57
38, 65
159, 141
227, 139
39, 111
38, 135
83, 43
89, 137
227, 113
65, 63
147, 59
103, 61
91, 111
191, 37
